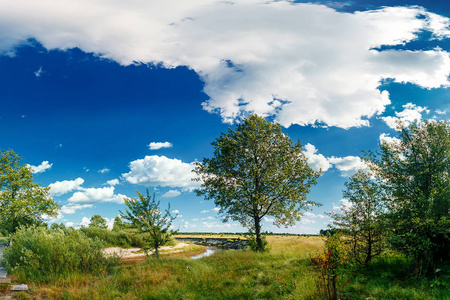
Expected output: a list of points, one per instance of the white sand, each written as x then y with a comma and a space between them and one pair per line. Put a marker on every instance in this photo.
122, 252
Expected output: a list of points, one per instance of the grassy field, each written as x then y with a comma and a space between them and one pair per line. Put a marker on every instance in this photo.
285, 272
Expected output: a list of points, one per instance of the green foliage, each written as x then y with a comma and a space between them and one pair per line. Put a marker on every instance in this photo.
118, 224
22, 202
144, 214
115, 238
42, 254
363, 219
415, 172
332, 266
98, 221
58, 226
257, 171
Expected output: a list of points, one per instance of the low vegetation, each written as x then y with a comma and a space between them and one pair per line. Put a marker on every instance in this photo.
285, 272
41, 254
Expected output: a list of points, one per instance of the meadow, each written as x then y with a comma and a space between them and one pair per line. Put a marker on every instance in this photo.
284, 272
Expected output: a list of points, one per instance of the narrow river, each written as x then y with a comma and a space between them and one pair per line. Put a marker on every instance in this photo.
209, 251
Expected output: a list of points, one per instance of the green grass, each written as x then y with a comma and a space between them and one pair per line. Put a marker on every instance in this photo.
4, 239
285, 272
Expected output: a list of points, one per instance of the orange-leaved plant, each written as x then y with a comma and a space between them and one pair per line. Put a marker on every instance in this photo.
331, 266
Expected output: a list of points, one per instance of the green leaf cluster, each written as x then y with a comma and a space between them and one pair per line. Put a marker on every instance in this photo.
22, 202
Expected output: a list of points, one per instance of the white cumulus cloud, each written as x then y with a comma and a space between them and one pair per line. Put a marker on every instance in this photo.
302, 63
171, 194
96, 195
113, 182
348, 165
72, 208
161, 171
159, 145
408, 115
44, 166
385, 138
61, 187
104, 170
315, 160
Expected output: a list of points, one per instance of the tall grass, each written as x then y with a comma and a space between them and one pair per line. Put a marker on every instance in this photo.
285, 272
42, 254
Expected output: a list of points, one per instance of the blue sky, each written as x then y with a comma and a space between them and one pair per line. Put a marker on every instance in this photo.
104, 98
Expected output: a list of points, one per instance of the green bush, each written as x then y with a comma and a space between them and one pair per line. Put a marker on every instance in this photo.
115, 238
42, 254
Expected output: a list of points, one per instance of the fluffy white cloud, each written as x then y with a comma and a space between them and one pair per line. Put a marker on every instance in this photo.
61, 187
44, 166
159, 145
96, 195
161, 171
188, 225
176, 211
171, 194
316, 161
113, 182
348, 165
410, 113
216, 209
307, 221
104, 170
385, 138
313, 215
71, 208
270, 57
85, 222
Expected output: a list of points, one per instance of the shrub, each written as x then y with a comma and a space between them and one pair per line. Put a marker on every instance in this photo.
42, 254
115, 238
251, 238
331, 266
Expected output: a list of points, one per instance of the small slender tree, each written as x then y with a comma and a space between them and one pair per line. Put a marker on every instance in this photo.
257, 171
145, 215
363, 220
118, 224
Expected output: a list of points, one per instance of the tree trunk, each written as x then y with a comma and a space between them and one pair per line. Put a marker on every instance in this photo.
157, 252
259, 244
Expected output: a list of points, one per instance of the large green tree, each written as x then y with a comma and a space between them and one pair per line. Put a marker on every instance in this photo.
257, 171
415, 172
145, 215
362, 219
22, 202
